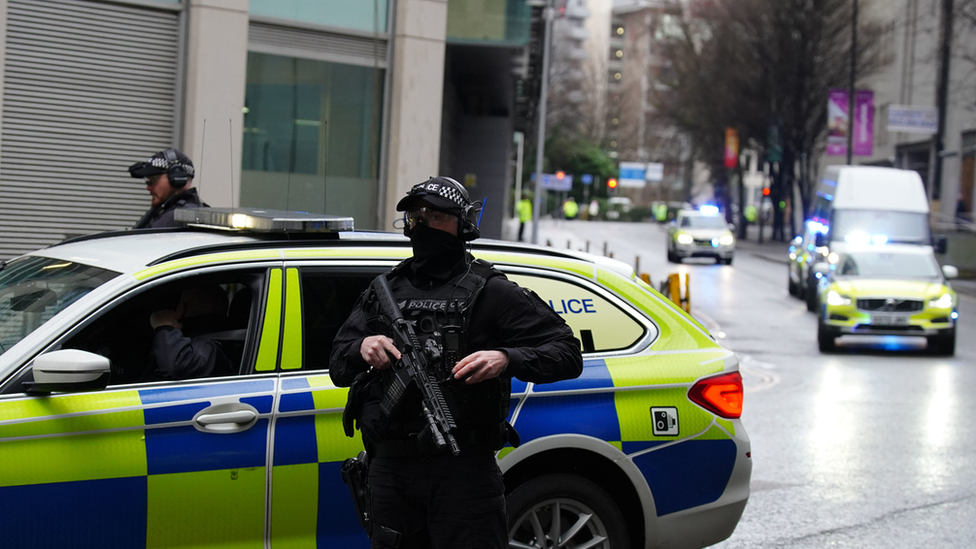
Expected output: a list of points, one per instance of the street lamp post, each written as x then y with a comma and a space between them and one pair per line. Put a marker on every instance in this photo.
547, 14
850, 88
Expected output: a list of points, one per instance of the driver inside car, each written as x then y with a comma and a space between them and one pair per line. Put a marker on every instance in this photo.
182, 344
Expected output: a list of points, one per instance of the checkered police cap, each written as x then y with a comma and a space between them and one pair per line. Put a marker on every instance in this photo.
159, 164
440, 192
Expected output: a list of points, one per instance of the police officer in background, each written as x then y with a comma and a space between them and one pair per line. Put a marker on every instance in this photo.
432, 498
169, 180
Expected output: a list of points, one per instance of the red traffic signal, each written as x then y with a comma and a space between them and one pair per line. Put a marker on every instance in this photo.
612, 183
560, 175
765, 191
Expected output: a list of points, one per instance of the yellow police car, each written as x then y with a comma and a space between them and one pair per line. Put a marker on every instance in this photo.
889, 289
99, 449
700, 233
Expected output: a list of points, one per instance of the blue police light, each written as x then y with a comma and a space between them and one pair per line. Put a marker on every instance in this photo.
954, 315
715, 242
708, 209
879, 239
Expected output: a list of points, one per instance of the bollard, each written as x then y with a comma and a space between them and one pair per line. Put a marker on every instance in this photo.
686, 302
646, 277
548, 242
587, 246
672, 289
604, 247
569, 244
611, 255
637, 264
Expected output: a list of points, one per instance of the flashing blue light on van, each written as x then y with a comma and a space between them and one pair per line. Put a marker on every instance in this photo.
708, 209
879, 239
954, 315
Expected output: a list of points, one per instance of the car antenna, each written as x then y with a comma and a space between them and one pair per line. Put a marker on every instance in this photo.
230, 143
203, 148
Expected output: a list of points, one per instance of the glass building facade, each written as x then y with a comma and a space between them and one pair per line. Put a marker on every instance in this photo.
311, 136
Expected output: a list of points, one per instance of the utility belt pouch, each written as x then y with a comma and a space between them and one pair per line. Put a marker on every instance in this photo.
358, 392
355, 471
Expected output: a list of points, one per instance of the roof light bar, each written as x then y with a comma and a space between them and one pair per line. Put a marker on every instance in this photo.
262, 221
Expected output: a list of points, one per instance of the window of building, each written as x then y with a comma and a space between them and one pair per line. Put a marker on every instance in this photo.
311, 136
363, 15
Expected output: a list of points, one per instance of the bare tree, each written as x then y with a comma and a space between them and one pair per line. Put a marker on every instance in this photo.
753, 64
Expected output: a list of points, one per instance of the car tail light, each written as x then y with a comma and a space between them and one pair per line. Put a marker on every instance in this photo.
720, 394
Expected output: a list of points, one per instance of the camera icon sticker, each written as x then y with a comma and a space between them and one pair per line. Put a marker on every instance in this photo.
665, 420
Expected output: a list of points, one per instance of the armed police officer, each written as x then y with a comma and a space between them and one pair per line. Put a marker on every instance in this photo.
169, 180
487, 330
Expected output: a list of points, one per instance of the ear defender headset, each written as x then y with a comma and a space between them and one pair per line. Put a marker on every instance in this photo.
175, 170
468, 218
451, 196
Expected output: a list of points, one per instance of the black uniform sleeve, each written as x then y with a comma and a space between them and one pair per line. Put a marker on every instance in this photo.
540, 345
181, 357
346, 361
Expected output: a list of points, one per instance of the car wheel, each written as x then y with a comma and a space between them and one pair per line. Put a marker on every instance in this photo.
727, 261
826, 339
792, 286
944, 345
565, 511
812, 299
670, 256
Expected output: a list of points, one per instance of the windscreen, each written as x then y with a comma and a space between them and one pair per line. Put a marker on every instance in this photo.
888, 265
703, 222
909, 227
34, 289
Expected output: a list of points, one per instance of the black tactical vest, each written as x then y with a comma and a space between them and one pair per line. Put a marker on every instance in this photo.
442, 314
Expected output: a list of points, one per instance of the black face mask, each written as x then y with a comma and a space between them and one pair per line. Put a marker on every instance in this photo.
436, 253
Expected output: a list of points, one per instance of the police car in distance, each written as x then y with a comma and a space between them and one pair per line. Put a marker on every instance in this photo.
892, 289
644, 449
700, 233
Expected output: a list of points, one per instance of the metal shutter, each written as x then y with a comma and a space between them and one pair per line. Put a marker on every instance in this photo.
89, 89
317, 44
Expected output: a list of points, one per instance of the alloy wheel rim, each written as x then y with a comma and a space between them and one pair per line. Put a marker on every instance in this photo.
559, 523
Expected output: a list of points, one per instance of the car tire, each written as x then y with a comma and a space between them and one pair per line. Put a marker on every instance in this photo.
826, 340
727, 261
792, 287
812, 299
943, 344
531, 506
671, 256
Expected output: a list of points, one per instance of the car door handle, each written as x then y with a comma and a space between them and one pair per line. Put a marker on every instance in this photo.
229, 417
239, 416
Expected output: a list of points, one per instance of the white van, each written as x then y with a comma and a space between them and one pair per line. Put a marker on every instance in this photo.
859, 205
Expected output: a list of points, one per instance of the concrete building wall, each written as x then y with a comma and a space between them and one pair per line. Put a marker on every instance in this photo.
910, 45
415, 98
596, 66
216, 72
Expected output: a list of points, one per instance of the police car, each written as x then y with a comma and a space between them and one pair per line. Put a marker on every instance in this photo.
644, 449
700, 233
893, 290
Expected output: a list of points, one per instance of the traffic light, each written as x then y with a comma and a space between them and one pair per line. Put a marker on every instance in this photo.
765, 191
612, 186
560, 174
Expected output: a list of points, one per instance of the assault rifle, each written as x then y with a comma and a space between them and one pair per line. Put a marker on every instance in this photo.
414, 366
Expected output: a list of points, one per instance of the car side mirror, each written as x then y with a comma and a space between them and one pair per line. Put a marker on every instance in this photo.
950, 272
939, 243
820, 240
69, 371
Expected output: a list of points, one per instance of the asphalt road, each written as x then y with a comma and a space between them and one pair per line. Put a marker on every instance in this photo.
872, 446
